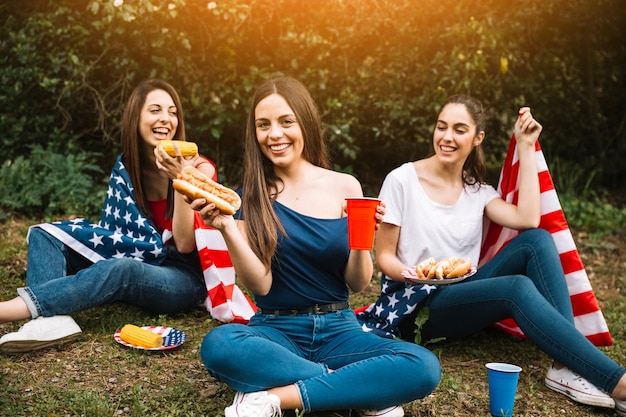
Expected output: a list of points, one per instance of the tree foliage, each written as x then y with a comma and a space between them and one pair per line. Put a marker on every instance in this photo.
379, 70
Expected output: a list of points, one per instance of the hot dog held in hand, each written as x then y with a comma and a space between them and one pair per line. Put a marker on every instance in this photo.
194, 184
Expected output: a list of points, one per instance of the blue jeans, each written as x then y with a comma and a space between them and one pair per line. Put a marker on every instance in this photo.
524, 281
60, 281
369, 372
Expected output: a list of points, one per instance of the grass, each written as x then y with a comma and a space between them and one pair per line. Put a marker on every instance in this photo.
95, 376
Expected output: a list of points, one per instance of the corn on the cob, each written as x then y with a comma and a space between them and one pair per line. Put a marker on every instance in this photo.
186, 148
137, 336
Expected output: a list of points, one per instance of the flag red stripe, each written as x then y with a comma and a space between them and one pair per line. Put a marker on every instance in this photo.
554, 222
600, 339
571, 262
584, 303
218, 295
220, 258
545, 181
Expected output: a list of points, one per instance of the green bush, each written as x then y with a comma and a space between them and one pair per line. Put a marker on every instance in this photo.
52, 184
379, 70
587, 207
594, 214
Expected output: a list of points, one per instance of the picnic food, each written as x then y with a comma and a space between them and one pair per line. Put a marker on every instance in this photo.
450, 267
186, 148
426, 269
137, 336
195, 184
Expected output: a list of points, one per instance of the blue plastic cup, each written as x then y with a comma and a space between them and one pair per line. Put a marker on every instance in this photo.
502, 388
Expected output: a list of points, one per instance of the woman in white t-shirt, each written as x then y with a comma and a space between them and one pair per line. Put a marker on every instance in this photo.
435, 208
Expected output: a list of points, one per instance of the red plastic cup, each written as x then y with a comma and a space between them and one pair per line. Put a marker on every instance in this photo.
361, 222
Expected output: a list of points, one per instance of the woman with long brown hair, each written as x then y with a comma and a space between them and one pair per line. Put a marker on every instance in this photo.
143, 250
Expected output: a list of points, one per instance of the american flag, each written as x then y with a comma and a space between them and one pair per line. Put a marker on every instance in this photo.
396, 300
125, 232
122, 231
225, 301
588, 317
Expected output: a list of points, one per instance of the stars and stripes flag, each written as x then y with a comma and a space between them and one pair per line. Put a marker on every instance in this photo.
226, 301
396, 300
123, 231
588, 317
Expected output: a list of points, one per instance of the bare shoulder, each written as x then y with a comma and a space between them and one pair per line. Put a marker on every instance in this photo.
206, 166
345, 184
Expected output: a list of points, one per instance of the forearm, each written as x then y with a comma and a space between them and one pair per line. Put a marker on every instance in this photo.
527, 132
249, 269
183, 225
359, 270
391, 266
529, 199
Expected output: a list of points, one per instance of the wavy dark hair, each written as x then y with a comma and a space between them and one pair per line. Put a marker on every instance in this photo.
261, 185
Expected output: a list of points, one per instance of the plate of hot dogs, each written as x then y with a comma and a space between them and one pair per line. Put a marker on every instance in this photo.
441, 272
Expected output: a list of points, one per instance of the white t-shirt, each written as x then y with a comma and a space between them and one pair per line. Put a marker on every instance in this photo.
431, 229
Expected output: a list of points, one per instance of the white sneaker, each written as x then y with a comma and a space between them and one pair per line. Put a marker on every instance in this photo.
620, 407
254, 404
395, 411
577, 388
40, 333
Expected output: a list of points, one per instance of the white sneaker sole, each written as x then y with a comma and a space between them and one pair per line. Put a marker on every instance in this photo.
396, 411
24, 346
580, 397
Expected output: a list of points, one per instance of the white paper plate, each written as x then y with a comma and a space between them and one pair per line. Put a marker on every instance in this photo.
171, 337
411, 277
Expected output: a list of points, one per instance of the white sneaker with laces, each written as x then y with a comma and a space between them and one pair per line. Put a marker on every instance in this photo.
254, 404
577, 388
40, 333
395, 411
620, 407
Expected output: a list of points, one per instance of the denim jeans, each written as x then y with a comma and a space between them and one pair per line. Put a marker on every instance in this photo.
60, 281
369, 372
524, 281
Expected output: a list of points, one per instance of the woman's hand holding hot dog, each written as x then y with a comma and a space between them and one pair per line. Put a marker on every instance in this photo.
211, 215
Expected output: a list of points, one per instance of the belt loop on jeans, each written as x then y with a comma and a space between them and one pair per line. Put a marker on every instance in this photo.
314, 309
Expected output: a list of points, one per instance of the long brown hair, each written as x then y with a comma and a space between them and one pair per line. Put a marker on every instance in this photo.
261, 185
133, 159
474, 168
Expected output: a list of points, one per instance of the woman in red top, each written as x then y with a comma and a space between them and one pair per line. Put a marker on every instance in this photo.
143, 250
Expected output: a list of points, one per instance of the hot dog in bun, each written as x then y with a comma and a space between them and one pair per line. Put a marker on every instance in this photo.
450, 267
426, 269
195, 184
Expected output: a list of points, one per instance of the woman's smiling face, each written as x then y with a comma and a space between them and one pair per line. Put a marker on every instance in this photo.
158, 119
455, 133
277, 130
